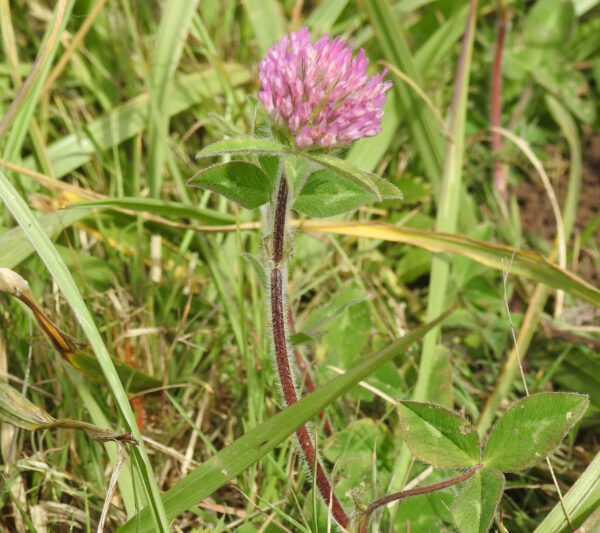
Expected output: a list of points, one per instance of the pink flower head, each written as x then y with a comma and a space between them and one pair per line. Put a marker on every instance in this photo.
320, 92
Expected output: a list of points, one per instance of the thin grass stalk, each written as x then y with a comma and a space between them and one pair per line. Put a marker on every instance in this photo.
40, 64
541, 292
500, 177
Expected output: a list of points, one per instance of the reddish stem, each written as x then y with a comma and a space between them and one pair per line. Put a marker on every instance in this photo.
362, 528
308, 379
278, 325
496, 106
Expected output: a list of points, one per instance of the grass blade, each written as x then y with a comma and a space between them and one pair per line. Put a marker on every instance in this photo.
64, 280
172, 32
245, 451
425, 130
130, 118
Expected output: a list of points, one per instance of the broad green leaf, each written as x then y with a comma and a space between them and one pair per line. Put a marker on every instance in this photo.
296, 170
366, 180
234, 459
570, 87
325, 195
549, 23
474, 506
351, 449
250, 145
437, 435
348, 334
240, 181
531, 429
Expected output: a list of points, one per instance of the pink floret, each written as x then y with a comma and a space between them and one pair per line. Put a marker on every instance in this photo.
320, 92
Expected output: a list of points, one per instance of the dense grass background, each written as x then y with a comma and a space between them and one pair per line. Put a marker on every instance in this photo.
126, 95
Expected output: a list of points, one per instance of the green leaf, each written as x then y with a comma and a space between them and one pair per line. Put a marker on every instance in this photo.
441, 381
348, 334
318, 321
240, 181
365, 180
325, 195
245, 451
250, 145
549, 23
243, 145
531, 428
474, 506
437, 435
296, 170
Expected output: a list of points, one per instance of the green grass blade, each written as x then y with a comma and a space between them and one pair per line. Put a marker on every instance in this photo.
267, 22
14, 245
449, 201
393, 41
524, 263
22, 107
64, 280
130, 118
541, 293
245, 451
580, 502
159, 207
176, 18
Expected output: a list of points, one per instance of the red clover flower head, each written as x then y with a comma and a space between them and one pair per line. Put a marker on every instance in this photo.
320, 92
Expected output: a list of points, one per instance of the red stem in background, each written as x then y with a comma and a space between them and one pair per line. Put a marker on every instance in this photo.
278, 325
306, 375
496, 105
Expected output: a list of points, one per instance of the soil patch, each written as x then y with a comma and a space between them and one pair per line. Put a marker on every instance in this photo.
536, 212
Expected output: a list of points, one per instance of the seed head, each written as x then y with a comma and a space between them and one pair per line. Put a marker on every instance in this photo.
320, 92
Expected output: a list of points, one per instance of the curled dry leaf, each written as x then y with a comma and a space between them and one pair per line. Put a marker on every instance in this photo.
17, 410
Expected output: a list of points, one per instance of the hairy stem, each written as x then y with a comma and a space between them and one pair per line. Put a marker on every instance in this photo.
366, 515
306, 375
278, 293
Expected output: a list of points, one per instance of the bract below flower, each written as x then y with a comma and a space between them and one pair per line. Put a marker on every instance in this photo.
320, 92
